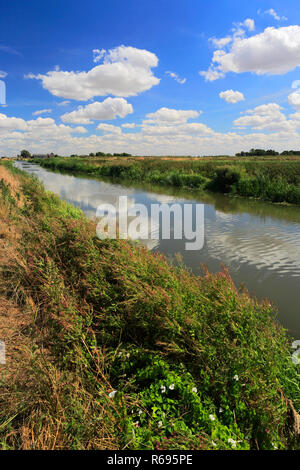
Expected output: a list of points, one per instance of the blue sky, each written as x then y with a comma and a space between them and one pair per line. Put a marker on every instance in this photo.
151, 68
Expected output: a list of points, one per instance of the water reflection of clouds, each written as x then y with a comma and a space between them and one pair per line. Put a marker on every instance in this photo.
232, 238
271, 245
88, 195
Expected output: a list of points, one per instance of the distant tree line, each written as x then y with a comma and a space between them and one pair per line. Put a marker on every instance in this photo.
26, 154
102, 154
291, 152
262, 152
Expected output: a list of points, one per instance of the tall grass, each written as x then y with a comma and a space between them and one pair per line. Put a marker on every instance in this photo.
192, 362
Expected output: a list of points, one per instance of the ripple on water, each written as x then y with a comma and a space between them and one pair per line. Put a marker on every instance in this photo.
268, 245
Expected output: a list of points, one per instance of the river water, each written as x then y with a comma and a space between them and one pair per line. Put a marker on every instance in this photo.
257, 241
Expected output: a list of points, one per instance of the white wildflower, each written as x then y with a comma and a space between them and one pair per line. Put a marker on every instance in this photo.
221, 409
296, 358
172, 386
212, 418
163, 389
160, 423
112, 394
236, 377
194, 390
232, 442
213, 443
140, 412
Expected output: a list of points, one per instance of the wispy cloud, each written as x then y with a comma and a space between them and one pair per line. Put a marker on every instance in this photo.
98, 54
272, 13
42, 111
237, 32
63, 103
9, 50
176, 77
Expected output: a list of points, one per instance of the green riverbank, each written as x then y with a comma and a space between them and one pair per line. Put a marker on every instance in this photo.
270, 180
126, 351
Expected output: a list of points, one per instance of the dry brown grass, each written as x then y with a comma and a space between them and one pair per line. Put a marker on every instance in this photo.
37, 398
13, 326
14, 184
13, 320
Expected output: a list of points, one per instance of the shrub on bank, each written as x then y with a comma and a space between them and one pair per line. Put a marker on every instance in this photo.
225, 179
270, 190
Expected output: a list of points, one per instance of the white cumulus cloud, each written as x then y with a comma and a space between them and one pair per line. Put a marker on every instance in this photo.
109, 128
129, 125
231, 96
11, 123
43, 135
168, 115
36, 128
294, 100
274, 51
125, 71
108, 109
237, 32
269, 117
250, 24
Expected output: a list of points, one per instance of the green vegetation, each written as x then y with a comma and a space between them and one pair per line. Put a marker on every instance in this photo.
257, 153
275, 180
262, 152
25, 154
131, 352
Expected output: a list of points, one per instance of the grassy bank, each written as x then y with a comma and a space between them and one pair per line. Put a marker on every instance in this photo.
125, 351
275, 179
